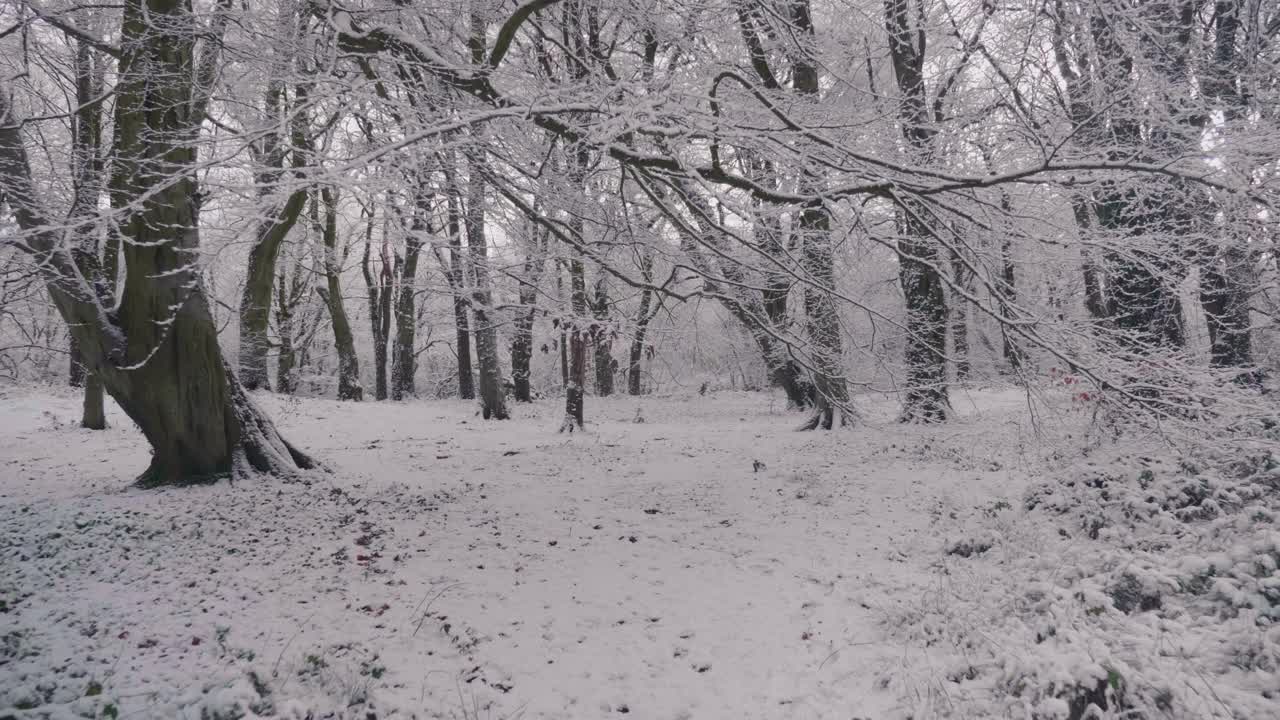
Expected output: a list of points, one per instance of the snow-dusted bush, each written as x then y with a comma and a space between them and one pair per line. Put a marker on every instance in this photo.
1137, 582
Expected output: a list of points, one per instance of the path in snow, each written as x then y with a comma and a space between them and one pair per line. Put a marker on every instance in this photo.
449, 564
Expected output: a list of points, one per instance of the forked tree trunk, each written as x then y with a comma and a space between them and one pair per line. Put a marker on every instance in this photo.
158, 354
344, 343
493, 401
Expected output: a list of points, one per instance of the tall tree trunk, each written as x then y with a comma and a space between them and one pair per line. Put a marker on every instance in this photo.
344, 343
522, 343
76, 369
602, 340
1144, 268
157, 354
918, 258
1227, 276
1008, 296
255, 305
87, 171
404, 364
286, 382
378, 286
403, 354
493, 403
576, 356
784, 371
818, 256
643, 315
962, 279
457, 276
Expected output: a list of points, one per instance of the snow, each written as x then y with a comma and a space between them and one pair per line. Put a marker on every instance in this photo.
686, 557
449, 567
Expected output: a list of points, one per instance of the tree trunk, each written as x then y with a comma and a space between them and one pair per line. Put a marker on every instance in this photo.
1008, 296
290, 293
157, 354
576, 380
643, 316
602, 340
1227, 276
456, 274
348, 362
76, 371
378, 287
831, 392
255, 305
493, 403
87, 170
403, 352
522, 343
286, 382
918, 259
784, 371
962, 279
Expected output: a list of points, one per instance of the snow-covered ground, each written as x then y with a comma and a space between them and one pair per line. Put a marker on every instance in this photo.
687, 557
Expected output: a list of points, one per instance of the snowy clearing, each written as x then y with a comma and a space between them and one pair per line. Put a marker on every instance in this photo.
705, 562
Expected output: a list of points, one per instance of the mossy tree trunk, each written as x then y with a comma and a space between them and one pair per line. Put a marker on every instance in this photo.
157, 354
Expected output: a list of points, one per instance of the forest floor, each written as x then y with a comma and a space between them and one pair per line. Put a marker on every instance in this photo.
705, 562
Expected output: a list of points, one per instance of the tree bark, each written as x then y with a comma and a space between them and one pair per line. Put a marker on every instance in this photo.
926, 398
1227, 275
602, 340
403, 353
643, 315
522, 343
961, 278
87, 171
576, 355
157, 354
349, 387
255, 305
831, 393
493, 403
378, 286
456, 274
